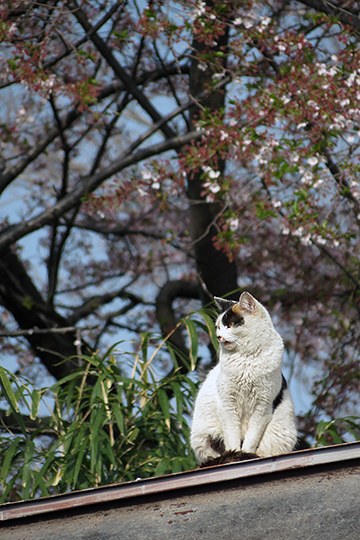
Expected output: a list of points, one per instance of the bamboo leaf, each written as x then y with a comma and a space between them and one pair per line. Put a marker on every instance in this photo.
68, 378
194, 342
82, 446
162, 467
9, 488
322, 427
35, 402
7, 389
335, 435
109, 453
165, 406
119, 417
27, 468
179, 402
210, 326
8, 458
110, 350
41, 473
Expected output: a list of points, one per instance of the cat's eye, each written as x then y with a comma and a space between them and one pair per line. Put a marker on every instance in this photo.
232, 319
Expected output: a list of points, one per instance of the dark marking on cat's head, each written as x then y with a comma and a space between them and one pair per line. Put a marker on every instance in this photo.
232, 317
223, 304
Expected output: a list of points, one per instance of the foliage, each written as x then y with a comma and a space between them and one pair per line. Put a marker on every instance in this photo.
154, 154
337, 431
105, 425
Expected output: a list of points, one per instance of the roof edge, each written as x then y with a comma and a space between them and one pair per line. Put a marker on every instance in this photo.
295, 461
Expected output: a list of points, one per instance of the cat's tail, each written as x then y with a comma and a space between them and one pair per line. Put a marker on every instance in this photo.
229, 457
202, 445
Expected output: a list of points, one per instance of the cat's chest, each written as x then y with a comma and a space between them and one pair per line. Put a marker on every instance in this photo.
240, 386
244, 382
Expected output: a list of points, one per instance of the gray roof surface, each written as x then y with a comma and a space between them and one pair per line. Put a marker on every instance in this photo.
310, 494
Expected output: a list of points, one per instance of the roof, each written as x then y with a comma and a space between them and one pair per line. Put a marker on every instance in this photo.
316, 490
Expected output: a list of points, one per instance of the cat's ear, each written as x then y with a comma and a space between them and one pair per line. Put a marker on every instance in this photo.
248, 302
223, 304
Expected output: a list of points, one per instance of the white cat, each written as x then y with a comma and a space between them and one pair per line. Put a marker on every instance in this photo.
244, 404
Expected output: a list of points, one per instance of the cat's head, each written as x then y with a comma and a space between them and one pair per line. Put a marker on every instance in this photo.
246, 320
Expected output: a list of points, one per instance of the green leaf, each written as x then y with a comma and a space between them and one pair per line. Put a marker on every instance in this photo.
68, 378
82, 446
35, 402
179, 402
28, 302
8, 458
41, 473
210, 326
133, 434
119, 418
9, 489
8, 391
27, 468
162, 467
194, 342
165, 406
176, 465
337, 439
322, 427
107, 450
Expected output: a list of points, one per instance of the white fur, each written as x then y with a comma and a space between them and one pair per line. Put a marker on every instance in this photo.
235, 402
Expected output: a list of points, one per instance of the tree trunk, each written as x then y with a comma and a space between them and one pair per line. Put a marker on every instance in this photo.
216, 272
20, 297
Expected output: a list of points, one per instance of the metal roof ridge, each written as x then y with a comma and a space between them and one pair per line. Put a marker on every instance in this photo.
297, 460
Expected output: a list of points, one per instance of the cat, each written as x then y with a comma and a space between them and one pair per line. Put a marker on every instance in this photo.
244, 407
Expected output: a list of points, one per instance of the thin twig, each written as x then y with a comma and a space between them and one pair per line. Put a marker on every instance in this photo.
56, 330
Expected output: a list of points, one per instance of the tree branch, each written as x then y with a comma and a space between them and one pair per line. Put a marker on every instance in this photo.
112, 228
219, 277
68, 120
50, 136
39, 331
21, 298
346, 15
342, 182
90, 305
39, 427
165, 313
119, 71
87, 185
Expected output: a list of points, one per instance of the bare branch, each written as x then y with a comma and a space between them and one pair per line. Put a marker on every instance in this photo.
165, 313
88, 184
19, 295
346, 15
119, 71
39, 427
49, 137
68, 120
106, 228
342, 182
93, 303
56, 330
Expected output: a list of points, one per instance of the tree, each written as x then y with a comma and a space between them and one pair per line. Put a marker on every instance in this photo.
179, 150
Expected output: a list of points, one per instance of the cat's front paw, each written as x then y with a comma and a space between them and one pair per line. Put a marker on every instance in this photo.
248, 448
208, 454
